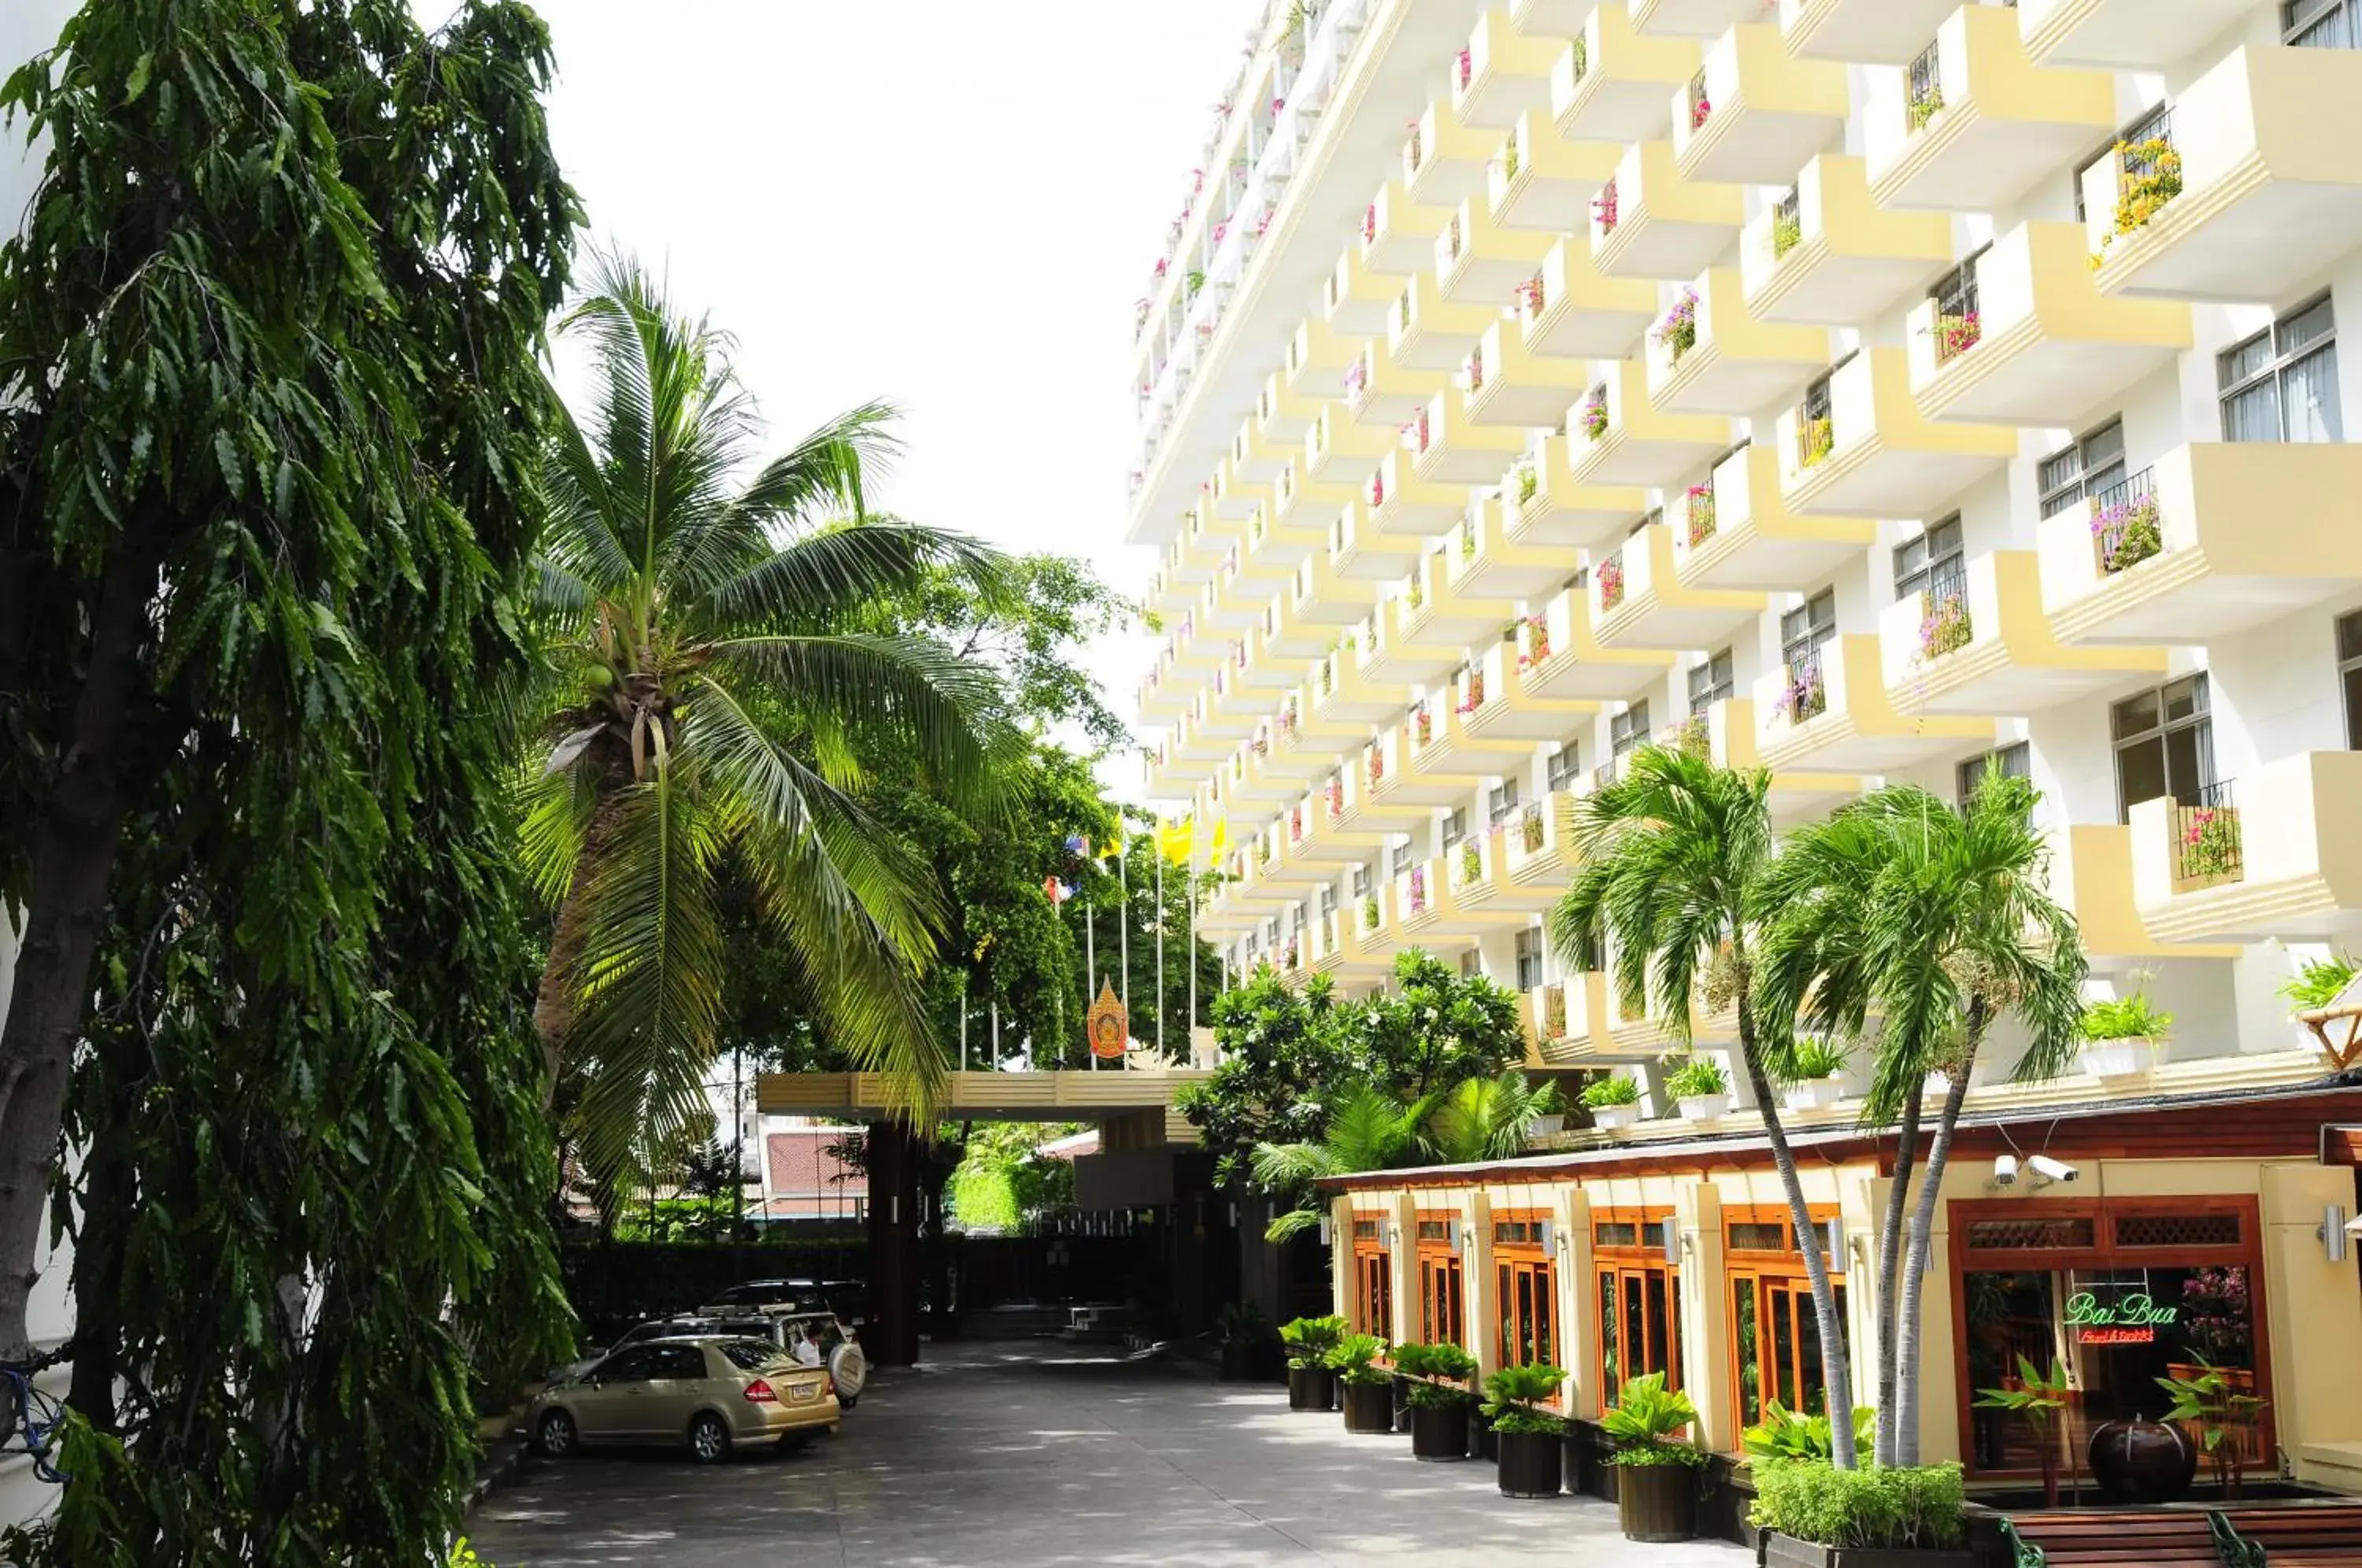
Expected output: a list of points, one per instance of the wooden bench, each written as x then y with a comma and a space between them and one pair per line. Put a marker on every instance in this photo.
2110, 1539
2299, 1534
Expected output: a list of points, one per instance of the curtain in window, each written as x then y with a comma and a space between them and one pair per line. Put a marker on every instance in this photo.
2310, 393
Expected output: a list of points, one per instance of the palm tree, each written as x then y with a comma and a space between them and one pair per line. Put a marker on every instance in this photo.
1937, 922
1371, 1130
717, 681
1487, 1119
1672, 854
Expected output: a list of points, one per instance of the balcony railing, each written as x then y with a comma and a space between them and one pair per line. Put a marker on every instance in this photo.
1922, 90
2206, 843
2125, 528
1944, 625
1807, 693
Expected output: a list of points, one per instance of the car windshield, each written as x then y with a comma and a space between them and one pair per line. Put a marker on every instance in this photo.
751, 1355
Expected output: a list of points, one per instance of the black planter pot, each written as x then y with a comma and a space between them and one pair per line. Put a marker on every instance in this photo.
1439, 1432
1369, 1409
1657, 1502
2143, 1462
1784, 1552
1238, 1361
1531, 1463
1311, 1388
1487, 1442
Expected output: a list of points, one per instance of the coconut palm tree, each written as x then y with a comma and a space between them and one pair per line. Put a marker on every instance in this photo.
717, 681
1487, 1119
1670, 856
1371, 1130
1936, 923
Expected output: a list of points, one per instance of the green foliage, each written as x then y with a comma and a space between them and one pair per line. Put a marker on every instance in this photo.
1369, 1132
1282, 1052
2036, 1397
1487, 1119
1434, 1371
2222, 1412
1434, 1029
1811, 1059
1355, 1359
2126, 1018
1646, 1423
1512, 1392
1240, 1323
1695, 1078
2317, 982
1786, 1435
1897, 1509
1617, 1089
1003, 1182
1308, 1341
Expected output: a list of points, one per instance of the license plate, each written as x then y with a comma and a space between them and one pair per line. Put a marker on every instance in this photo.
803, 1392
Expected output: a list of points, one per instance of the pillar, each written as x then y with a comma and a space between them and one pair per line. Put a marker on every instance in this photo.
1578, 1303
2312, 1310
1705, 1317
893, 1161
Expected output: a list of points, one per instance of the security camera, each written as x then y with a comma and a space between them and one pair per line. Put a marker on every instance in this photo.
2054, 1170
2006, 1170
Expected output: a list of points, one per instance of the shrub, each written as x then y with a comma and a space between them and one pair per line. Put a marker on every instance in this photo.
1786, 1435
2316, 985
1617, 1089
1511, 1393
1355, 1357
1240, 1323
1647, 1424
1438, 1374
1812, 1059
1308, 1341
2126, 1018
1696, 1078
1881, 1507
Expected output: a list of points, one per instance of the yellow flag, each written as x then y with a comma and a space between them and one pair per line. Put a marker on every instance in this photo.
1173, 841
1221, 834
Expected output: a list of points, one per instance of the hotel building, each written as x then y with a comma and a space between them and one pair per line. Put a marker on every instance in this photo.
1866, 390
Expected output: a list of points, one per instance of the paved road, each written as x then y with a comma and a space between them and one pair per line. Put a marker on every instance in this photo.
1030, 1454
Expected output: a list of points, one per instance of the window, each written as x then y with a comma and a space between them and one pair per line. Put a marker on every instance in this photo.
2165, 745
2349, 675
1327, 902
751, 1356
1932, 561
2084, 469
1639, 1297
2015, 762
1775, 1333
1710, 681
1398, 857
1442, 1295
1502, 801
1628, 730
1564, 767
1455, 827
1530, 958
1957, 326
2281, 385
2320, 24
1803, 629
1528, 1290
1373, 1278
635, 1366
1360, 881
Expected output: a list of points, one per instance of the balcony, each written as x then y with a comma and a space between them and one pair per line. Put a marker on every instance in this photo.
1448, 447
1283, 416
1214, 729
1732, 727
1381, 394
1652, 221
1251, 784
1626, 439
1694, 19
1371, 798
1427, 915
1163, 696
1289, 752
1276, 549
1502, 73
1390, 660
1355, 299
1555, 19
1611, 85
2092, 873
1236, 701
1568, 311
1979, 643
1971, 121
1343, 692
1302, 625
1643, 1035
2217, 538
1441, 779
1374, 925
1359, 553
1875, 32
1484, 562
1402, 506
1455, 755
1434, 613
1509, 385
1236, 496
1737, 530
1318, 357
1257, 457
1480, 262
1443, 160
1756, 114
1473, 873
1299, 501
1262, 668
1397, 234
2269, 192
1832, 257
1339, 451
1546, 506
2278, 856
1542, 849
1335, 947
1540, 182
1222, 608
1571, 1019
1564, 658
1638, 600
2122, 34
1496, 703
2043, 346
1427, 332
1830, 712
1710, 355
1873, 453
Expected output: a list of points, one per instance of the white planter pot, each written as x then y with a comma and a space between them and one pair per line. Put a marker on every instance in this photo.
1706, 1107
2118, 1058
1813, 1094
1610, 1117
1544, 1126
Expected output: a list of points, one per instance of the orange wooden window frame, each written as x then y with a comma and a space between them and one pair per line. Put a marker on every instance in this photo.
1374, 1277
1762, 1269
1613, 1265
1443, 1288
1529, 1260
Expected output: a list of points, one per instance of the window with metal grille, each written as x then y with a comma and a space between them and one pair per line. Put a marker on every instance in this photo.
1517, 1232
2177, 1230
2322, 24
1564, 767
1955, 293
2164, 742
1935, 561
1502, 801
1434, 1230
2281, 385
2082, 469
1757, 1236
1710, 681
2034, 1234
1530, 959
1803, 629
1455, 827
2015, 762
2349, 675
1365, 1229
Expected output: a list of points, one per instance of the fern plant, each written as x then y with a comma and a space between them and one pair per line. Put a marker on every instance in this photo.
1698, 1078
1608, 1091
2318, 981
1308, 1341
1512, 1392
1647, 1423
1438, 1374
1356, 1359
2126, 1018
1813, 1060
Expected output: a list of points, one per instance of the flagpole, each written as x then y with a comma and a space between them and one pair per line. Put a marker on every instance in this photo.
1090, 967
1189, 944
1164, 1046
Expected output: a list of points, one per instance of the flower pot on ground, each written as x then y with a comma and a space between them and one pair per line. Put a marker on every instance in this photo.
1531, 1440
1435, 1386
1240, 1327
1368, 1387
1311, 1385
1656, 1482
2141, 1461
1814, 1075
1817, 1516
2121, 1036
1701, 1089
1612, 1101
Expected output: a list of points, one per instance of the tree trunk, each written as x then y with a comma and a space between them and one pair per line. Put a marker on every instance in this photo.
556, 999
1890, 1257
1923, 1230
1837, 1365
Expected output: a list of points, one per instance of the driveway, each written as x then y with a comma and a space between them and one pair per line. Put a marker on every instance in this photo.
1035, 1455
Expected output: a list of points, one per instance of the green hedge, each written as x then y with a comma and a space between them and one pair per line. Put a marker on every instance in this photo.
1813, 1501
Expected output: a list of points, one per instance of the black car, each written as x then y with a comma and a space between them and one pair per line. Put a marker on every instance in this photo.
770, 1296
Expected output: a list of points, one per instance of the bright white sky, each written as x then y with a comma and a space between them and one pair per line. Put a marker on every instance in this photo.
949, 204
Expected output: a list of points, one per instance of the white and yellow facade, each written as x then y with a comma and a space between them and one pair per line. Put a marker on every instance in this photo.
1869, 391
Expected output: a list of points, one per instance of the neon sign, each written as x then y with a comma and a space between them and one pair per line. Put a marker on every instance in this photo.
2134, 1320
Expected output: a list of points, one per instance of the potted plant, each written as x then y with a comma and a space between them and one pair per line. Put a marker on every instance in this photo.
1613, 1101
1656, 1485
1814, 1076
2121, 1036
1368, 1387
1308, 1341
1530, 1440
1436, 1391
2038, 1399
1701, 1087
1817, 1516
1786, 1435
1240, 1327
2212, 1403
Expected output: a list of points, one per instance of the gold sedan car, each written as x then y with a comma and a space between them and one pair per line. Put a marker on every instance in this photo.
713, 1395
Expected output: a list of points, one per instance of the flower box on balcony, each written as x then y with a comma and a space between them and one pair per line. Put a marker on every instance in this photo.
2124, 534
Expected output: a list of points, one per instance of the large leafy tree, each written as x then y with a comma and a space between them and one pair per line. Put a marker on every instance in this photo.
1369, 1131
1935, 924
268, 380
1672, 854
720, 683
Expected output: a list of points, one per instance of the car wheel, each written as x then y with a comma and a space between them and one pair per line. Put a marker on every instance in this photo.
556, 1435
845, 1403
708, 1439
